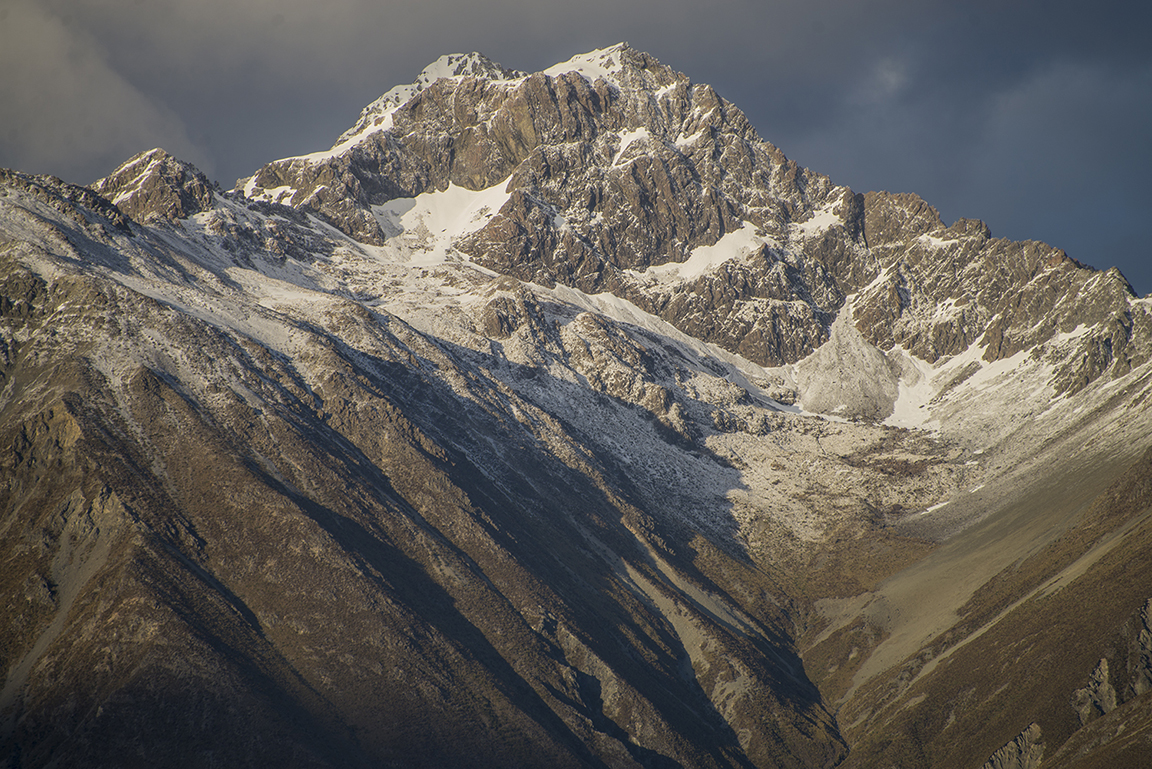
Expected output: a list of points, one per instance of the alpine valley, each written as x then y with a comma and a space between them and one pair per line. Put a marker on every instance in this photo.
559, 420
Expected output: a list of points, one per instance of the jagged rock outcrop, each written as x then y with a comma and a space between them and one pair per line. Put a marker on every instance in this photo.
1026, 751
619, 169
1098, 697
943, 289
1130, 675
491, 471
155, 185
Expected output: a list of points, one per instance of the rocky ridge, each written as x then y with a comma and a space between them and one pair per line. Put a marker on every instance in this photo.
618, 169
456, 444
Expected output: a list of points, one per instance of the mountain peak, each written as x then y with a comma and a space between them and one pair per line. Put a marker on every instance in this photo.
353, 465
455, 65
156, 185
452, 66
603, 62
621, 65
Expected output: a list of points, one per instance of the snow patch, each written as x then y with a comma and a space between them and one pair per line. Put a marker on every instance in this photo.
735, 245
283, 194
933, 509
821, 219
1076, 333
390, 215
627, 138
933, 242
915, 390
684, 141
426, 228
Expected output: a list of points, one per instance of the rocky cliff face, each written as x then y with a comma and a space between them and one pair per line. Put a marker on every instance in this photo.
615, 164
620, 169
558, 419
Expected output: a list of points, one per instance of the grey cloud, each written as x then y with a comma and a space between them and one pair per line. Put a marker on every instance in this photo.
65, 110
1067, 148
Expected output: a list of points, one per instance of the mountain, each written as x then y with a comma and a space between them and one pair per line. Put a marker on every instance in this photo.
558, 419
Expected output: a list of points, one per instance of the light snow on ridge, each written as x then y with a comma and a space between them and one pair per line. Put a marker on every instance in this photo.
601, 63
377, 116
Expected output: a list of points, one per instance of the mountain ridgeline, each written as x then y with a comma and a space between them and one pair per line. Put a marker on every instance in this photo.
558, 419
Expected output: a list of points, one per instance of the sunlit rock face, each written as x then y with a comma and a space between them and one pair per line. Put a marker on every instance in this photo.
557, 419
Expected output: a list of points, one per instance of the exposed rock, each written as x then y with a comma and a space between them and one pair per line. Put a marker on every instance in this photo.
79, 204
1024, 752
155, 185
892, 219
1097, 698
1139, 672
450, 66
271, 495
1130, 675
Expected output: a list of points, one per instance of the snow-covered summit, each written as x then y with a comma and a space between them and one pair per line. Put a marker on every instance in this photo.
603, 62
618, 64
617, 174
453, 66
622, 66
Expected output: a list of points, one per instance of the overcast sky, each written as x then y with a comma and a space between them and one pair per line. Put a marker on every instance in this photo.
1033, 116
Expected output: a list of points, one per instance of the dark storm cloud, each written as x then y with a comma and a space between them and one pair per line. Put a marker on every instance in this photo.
1032, 116
64, 110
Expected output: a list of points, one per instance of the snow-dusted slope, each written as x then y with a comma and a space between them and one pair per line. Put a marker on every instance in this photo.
544, 419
